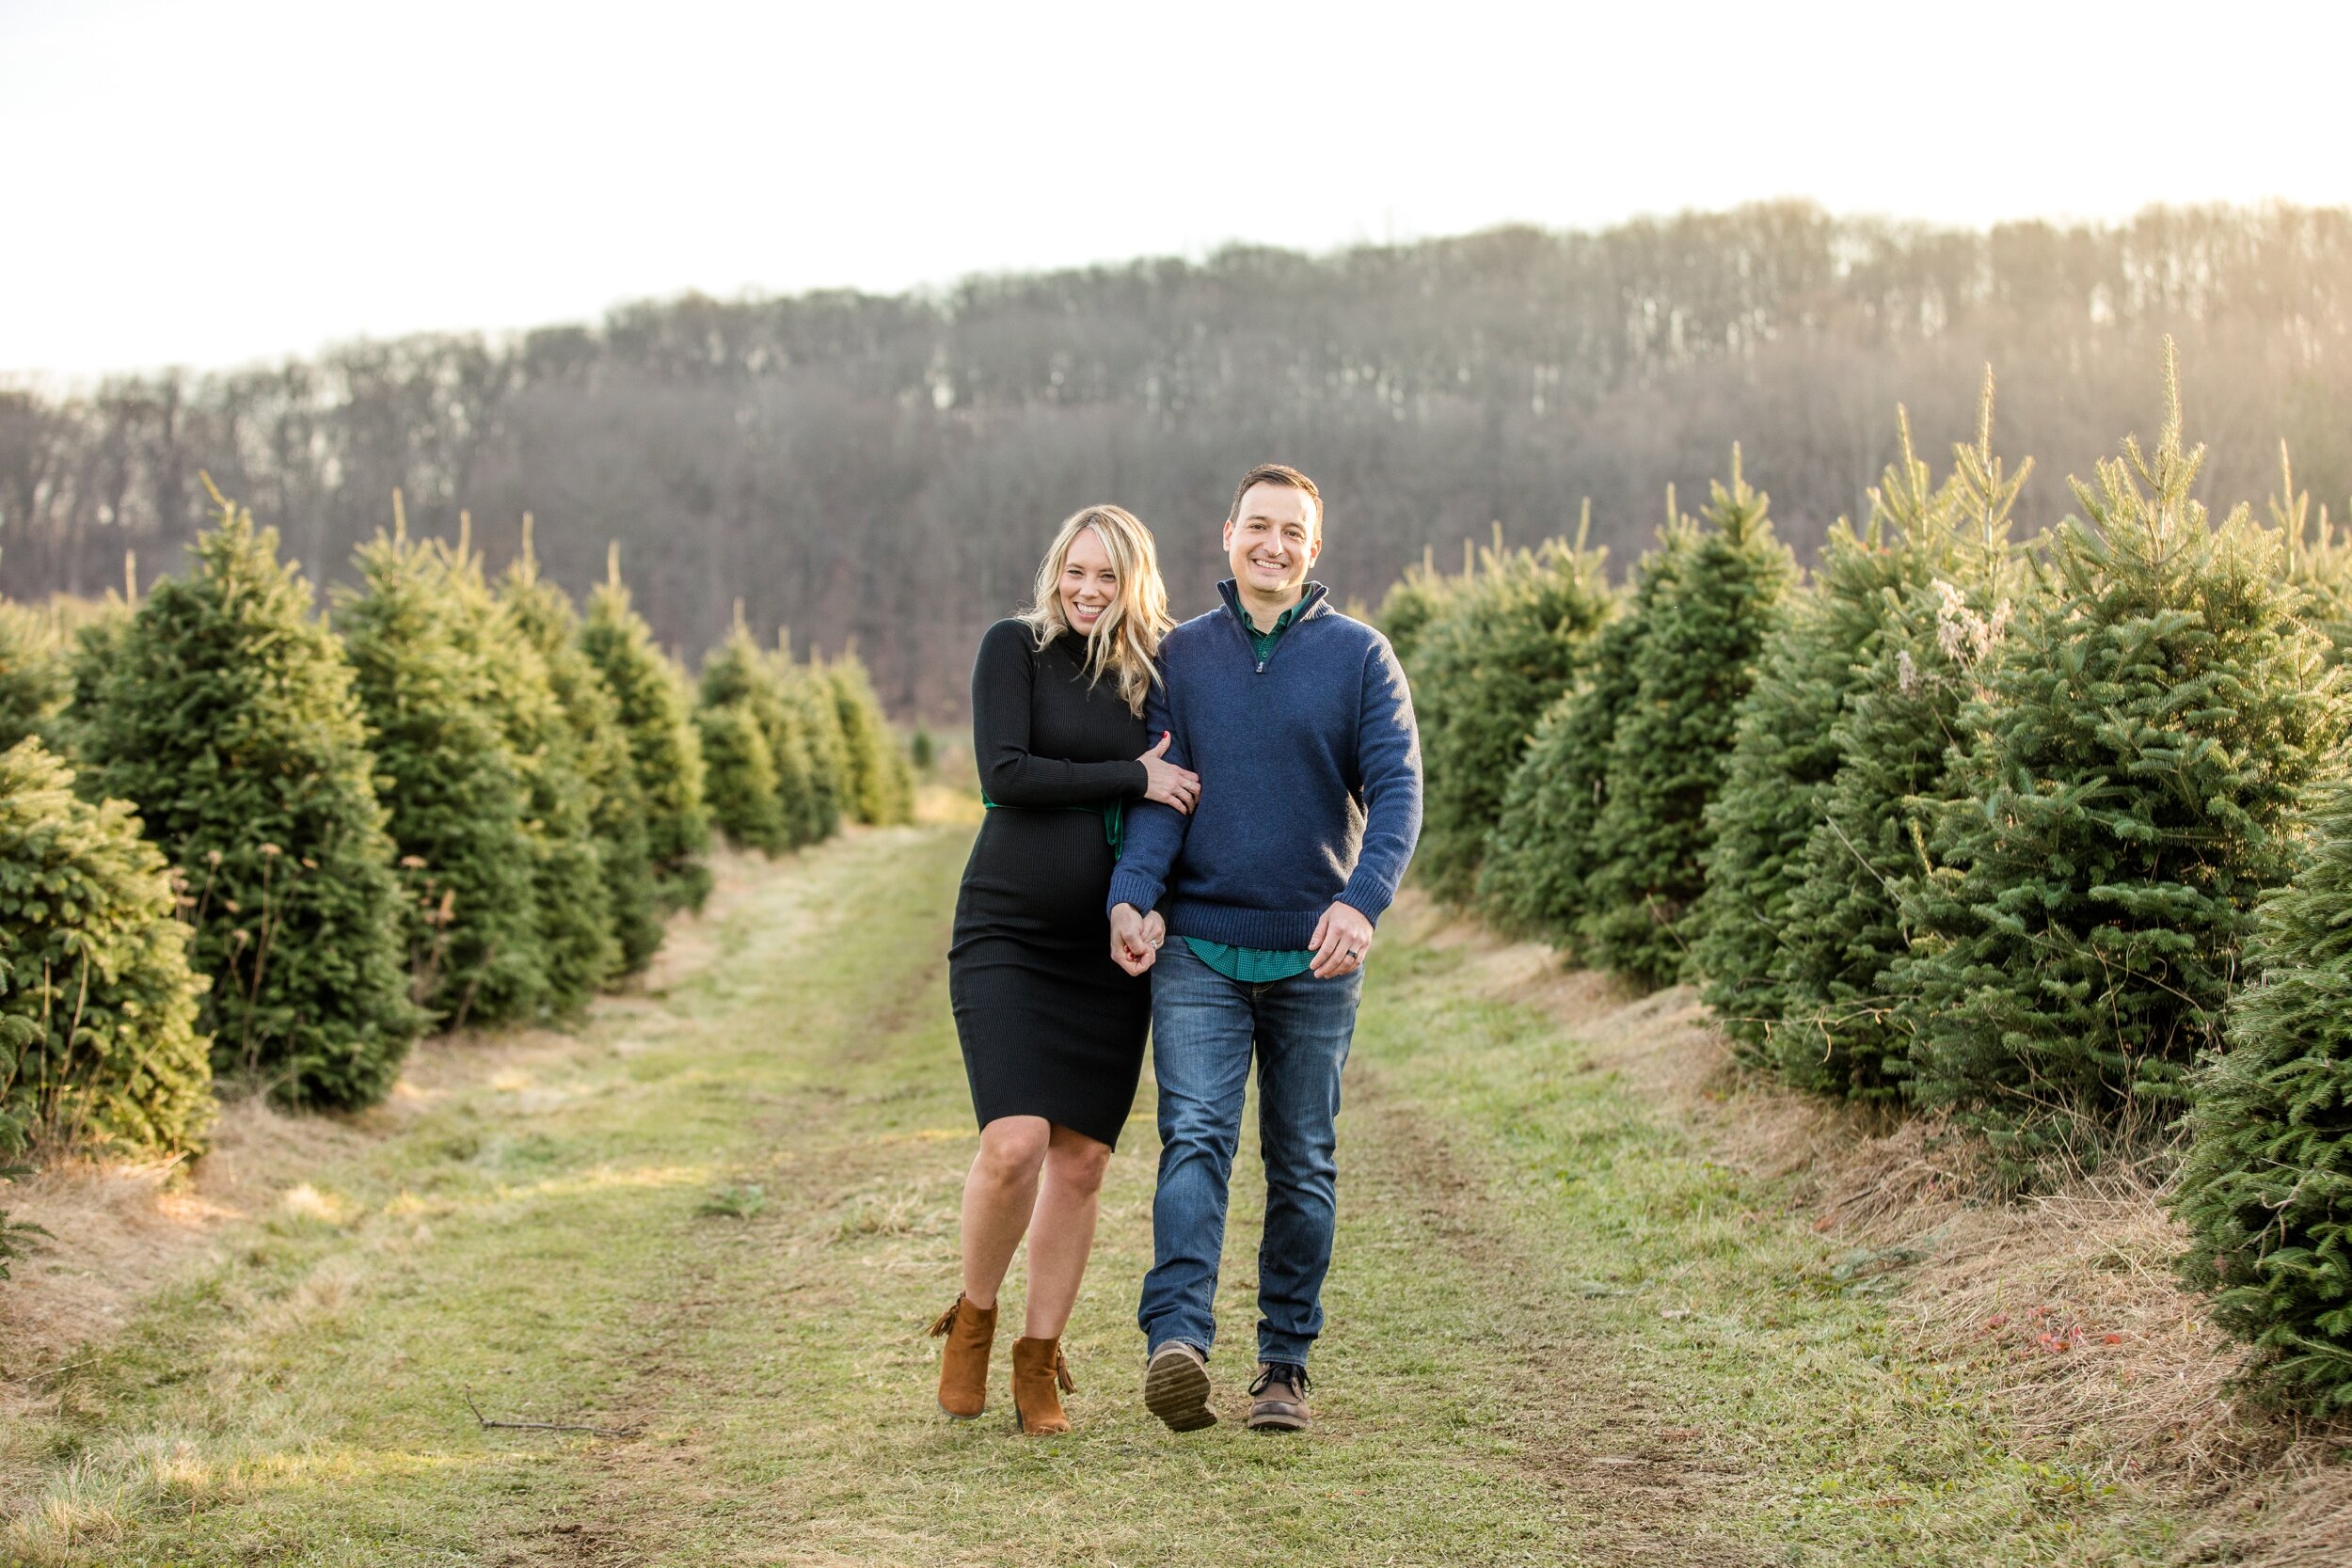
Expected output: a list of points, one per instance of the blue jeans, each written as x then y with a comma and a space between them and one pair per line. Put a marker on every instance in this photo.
1203, 1029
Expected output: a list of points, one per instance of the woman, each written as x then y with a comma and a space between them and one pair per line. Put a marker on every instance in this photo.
1051, 1029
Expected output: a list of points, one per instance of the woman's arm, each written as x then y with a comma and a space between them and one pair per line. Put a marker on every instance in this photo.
1003, 685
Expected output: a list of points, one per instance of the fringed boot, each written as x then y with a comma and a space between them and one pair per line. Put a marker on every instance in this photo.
1040, 1378
970, 1332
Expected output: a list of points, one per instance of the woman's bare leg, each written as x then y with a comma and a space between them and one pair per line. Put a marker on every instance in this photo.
997, 1197
1061, 1231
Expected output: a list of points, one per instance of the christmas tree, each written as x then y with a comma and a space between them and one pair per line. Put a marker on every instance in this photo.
575, 923
1509, 639
98, 1006
662, 745
226, 712
542, 614
1783, 755
2267, 1189
741, 673
1842, 929
2134, 779
1542, 855
455, 792
1692, 668
881, 787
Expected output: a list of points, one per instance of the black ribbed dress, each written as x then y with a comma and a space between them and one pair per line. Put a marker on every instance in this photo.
1050, 1026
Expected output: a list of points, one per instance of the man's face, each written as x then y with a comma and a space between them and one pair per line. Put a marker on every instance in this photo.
1273, 539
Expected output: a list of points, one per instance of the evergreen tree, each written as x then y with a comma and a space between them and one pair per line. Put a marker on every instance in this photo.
574, 915
1413, 601
740, 673
662, 745
2267, 1189
97, 1003
35, 676
1542, 856
452, 787
1842, 930
1692, 669
226, 713
544, 615
2152, 720
1508, 641
740, 778
808, 697
881, 788
2317, 561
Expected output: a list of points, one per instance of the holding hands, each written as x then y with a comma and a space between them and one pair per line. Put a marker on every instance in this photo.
1171, 785
1136, 938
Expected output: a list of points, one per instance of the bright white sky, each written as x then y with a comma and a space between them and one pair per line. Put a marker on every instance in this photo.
209, 183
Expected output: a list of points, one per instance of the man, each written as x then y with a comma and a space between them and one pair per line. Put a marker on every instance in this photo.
1255, 914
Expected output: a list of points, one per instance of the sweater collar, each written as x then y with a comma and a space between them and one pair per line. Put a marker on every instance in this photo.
1311, 603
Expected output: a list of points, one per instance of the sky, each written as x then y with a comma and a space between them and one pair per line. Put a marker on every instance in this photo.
212, 184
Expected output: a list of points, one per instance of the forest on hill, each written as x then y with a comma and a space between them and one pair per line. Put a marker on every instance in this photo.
886, 470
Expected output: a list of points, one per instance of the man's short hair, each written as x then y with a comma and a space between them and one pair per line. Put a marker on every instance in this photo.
1277, 474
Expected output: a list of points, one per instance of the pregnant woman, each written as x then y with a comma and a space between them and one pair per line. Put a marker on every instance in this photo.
1051, 1029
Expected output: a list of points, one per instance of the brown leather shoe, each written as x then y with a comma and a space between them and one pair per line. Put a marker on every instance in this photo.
1277, 1397
1040, 1378
1176, 1387
970, 1331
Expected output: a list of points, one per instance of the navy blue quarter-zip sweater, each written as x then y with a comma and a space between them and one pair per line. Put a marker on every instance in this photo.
1309, 773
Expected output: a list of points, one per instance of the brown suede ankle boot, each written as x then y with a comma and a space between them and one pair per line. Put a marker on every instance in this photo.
1040, 1378
970, 1332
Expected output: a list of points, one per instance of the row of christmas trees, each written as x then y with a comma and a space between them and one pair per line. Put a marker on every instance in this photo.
235, 835
2054, 837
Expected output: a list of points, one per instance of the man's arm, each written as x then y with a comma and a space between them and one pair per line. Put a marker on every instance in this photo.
1388, 760
1154, 833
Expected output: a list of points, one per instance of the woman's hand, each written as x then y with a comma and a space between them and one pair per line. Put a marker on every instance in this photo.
1171, 785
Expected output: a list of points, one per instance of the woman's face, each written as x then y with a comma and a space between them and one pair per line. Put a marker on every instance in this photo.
1089, 585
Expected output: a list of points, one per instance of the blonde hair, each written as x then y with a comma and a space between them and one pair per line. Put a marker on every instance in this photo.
1126, 641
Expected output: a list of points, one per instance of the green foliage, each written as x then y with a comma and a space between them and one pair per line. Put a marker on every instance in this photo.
97, 1003
662, 745
544, 616
1413, 601
808, 697
922, 751
2318, 561
741, 673
880, 790
2267, 1189
451, 788
1692, 668
1542, 855
573, 912
2134, 779
740, 778
1506, 643
1896, 741
35, 676
226, 712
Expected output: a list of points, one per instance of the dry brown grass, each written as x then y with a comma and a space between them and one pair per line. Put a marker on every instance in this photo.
2064, 1305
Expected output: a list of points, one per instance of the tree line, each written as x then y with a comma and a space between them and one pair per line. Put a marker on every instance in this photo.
242, 841
884, 470
2048, 835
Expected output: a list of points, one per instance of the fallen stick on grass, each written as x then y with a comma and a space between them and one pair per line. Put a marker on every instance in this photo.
543, 1426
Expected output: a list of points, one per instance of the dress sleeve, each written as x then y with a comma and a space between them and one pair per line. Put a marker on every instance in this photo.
1004, 680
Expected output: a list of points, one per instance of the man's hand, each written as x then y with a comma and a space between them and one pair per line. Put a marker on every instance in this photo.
1342, 939
1136, 938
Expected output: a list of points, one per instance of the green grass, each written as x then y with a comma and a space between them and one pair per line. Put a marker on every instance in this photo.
1558, 1334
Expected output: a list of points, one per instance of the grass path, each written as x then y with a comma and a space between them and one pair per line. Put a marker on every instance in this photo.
1559, 1333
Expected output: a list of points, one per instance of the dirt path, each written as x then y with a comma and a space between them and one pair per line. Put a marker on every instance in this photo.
720, 1223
